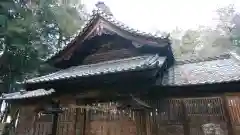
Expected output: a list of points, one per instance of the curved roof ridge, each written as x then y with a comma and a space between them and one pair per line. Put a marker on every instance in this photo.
124, 26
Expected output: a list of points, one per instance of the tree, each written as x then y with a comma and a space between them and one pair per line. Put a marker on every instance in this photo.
209, 41
176, 36
190, 41
235, 31
229, 24
33, 30
225, 16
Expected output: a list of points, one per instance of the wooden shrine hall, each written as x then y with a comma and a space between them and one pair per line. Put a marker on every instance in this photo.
115, 80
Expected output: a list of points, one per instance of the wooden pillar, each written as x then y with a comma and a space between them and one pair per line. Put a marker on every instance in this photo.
143, 121
227, 115
55, 118
75, 122
35, 117
75, 119
80, 119
148, 126
86, 125
137, 120
186, 126
54, 125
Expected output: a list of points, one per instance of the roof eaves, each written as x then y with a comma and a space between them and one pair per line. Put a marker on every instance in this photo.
175, 75
138, 63
26, 94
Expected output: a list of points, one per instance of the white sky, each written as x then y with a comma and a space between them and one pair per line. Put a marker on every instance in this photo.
164, 15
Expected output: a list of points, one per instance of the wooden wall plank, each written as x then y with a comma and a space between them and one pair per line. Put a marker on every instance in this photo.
175, 116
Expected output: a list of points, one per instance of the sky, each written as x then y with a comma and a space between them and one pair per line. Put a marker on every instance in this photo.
164, 15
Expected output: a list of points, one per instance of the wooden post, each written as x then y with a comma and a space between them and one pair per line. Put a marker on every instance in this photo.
34, 123
143, 121
85, 122
148, 126
55, 118
186, 126
227, 116
75, 120
137, 119
54, 125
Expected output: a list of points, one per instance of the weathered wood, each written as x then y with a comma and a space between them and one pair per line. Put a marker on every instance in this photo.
75, 43
138, 123
84, 122
75, 120
175, 116
186, 126
148, 126
35, 117
111, 55
55, 124
87, 122
228, 116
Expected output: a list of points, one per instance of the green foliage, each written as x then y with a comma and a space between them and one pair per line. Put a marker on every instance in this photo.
207, 41
31, 31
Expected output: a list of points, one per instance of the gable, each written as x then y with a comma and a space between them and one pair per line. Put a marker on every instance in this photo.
101, 24
110, 51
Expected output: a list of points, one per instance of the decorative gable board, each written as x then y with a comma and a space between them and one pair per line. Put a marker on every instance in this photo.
101, 24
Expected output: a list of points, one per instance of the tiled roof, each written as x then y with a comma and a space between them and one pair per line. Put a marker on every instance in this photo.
225, 68
114, 66
26, 94
112, 20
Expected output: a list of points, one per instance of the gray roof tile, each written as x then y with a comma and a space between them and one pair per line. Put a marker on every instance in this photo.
122, 65
212, 70
26, 94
